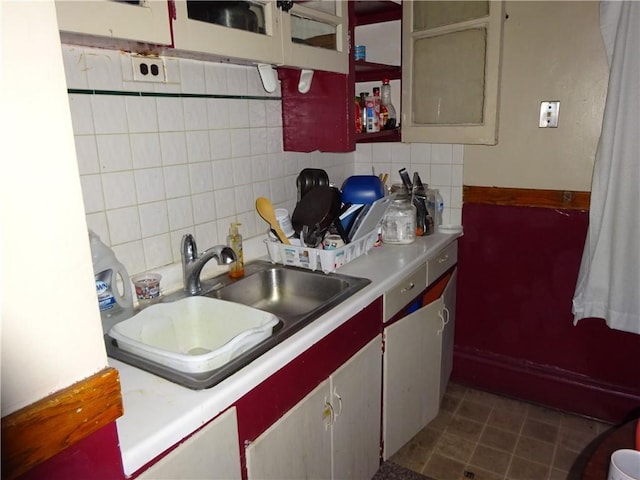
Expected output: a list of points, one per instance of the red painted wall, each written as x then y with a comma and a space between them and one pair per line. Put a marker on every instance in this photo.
517, 270
96, 457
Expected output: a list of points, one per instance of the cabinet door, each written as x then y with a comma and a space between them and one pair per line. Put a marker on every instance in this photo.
195, 31
411, 375
298, 445
316, 36
451, 53
448, 328
356, 388
210, 453
145, 21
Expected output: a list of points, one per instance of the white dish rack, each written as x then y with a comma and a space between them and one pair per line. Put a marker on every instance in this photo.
316, 258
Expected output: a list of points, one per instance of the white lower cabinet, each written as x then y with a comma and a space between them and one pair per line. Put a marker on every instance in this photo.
417, 365
211, 453
411, 392
334, 432
449, 322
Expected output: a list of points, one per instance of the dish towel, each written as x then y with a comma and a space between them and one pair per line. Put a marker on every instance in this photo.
609, 278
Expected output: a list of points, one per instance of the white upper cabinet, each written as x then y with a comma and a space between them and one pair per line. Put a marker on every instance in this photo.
247, 31
312, 35
317, 36
144, 21
451, 54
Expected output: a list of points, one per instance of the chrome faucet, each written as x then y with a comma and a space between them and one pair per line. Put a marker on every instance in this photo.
192, 264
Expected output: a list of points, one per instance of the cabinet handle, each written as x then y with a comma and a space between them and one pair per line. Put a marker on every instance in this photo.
442, 318
406, 289
328, 414
337, 395
443, 258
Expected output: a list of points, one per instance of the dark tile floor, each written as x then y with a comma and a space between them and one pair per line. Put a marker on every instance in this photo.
481, 436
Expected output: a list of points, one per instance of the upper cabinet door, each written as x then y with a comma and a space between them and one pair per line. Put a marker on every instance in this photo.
143, 21
316, 36
248, 31
451, 55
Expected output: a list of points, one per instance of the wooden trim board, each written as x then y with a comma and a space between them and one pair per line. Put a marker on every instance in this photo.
45, 428
524, 197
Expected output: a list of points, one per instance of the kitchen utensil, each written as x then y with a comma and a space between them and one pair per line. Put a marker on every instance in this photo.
266, 211
312, 236
309, 178
370, 218
404, 176
318, 207
362, 189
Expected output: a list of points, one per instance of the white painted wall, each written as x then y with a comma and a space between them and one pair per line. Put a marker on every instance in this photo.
50, 320
552, 51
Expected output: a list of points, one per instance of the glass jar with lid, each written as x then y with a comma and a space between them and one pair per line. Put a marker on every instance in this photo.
399, 222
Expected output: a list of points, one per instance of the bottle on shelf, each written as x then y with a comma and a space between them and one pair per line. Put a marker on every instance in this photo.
363, 111
388, 111
373, 111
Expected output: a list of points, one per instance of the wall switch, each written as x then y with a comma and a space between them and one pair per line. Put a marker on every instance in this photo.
148, 69
549, 112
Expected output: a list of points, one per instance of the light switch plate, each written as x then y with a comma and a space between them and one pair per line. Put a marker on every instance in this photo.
549, 113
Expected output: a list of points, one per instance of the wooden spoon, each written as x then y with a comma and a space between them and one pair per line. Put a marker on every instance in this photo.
266, 211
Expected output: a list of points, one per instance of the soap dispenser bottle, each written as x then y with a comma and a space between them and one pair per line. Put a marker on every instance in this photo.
234, 241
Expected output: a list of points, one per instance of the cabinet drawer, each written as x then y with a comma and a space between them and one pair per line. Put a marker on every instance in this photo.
446, 259
404, 291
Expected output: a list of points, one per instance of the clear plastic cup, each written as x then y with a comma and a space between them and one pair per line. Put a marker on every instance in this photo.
147, 285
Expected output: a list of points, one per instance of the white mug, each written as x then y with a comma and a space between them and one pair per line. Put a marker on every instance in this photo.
625, 465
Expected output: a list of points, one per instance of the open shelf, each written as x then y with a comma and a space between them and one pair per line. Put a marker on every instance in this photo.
371, 72
376, 11
383, 136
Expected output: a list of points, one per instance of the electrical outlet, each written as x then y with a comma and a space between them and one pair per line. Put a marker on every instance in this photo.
549, 113
148, 69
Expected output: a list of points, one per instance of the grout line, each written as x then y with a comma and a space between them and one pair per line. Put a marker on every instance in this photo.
125, 93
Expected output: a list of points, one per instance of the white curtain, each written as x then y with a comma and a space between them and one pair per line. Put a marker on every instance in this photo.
609, 279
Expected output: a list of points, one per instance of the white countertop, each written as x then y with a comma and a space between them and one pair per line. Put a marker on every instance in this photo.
159, 413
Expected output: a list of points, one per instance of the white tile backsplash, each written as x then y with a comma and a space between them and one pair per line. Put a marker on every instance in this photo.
142, 114
119, 189
439, 165
156, 167
145, 150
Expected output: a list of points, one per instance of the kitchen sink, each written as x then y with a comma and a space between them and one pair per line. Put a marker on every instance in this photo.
293, 296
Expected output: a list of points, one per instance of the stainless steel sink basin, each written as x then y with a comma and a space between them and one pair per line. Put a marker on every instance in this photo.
297, 297
289, 293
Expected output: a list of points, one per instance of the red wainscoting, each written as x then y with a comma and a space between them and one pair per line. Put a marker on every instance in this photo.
96, 457
517, 269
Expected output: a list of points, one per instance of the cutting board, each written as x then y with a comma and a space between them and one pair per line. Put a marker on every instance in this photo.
370, 217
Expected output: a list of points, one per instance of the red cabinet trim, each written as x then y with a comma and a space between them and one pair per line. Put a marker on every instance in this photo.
271, 399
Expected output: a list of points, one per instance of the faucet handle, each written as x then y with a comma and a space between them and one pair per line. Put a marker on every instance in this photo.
188, 247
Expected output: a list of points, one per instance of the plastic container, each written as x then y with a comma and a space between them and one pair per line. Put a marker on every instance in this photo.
399, 222
362, 189
234, 241
316, 258
116, 304
147, 285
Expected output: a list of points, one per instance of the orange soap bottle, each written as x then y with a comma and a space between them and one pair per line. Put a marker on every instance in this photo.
234, 241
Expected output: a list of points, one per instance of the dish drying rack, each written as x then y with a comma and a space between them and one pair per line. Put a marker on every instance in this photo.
318, 259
